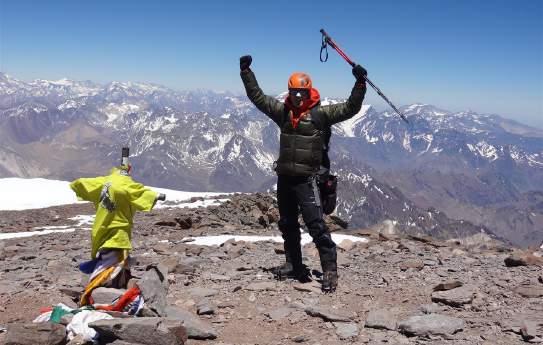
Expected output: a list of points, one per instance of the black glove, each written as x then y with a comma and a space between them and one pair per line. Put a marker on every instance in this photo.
161, 197
359, 73
245, 62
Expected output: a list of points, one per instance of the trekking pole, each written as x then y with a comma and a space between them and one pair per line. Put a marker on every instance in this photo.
327, 40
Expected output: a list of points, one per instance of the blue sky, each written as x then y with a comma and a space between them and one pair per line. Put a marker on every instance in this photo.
481, 55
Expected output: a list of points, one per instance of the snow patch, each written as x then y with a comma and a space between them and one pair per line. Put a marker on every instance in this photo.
220, 239
416, 106
83, 219
426, 137
10, 235
388, 137
484, 149
407, 142
195, 204
234, 152
69, 104
114, 111
533, 161
23, 194
347, 127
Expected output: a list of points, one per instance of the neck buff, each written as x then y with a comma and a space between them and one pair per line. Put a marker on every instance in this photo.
297, 113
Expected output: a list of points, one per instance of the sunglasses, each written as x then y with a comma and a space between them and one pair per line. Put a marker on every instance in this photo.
304, 93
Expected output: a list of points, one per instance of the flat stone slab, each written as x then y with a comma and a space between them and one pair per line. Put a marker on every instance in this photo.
531, 291
455, 297
448, 285
261, 286
346, 330
381, 319
196, 328
431, 324
35, 333
103, 295
142, 330
279, 313
326, 314
202, 292
415, 264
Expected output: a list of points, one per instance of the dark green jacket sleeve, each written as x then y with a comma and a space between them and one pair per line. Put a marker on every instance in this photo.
335, 113
274, 109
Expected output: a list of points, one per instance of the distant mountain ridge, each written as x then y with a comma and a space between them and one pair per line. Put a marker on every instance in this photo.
466, 164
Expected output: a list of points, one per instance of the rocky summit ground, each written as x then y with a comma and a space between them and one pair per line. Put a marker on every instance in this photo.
393, 289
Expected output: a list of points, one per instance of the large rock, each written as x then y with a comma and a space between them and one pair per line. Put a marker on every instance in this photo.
196, 328
35, 334
416, 264
523, 259
142, 330
455, 297
431, 324
153, 286
381, 319
184, 222
103, 295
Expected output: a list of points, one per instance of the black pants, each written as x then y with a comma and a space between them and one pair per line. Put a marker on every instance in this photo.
300, 193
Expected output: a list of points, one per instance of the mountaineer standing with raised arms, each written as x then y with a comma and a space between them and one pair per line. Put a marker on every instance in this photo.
303, 159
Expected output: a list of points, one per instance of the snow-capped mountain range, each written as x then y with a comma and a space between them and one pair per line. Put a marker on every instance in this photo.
203, 140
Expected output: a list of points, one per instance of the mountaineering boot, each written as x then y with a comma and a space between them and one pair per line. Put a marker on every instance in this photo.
293, 268
328, 255
289, 271
284, 271
329, 281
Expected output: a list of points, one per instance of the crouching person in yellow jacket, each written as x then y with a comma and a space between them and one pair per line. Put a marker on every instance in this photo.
116, 198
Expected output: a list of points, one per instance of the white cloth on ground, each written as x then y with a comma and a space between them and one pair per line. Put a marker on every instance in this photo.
80, 324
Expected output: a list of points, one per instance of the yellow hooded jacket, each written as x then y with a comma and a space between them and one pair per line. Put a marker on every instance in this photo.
116, 198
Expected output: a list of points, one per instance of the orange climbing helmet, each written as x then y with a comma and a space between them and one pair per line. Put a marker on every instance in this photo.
299, 81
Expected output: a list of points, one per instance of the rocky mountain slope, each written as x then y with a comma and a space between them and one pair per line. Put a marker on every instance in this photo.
393, 289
